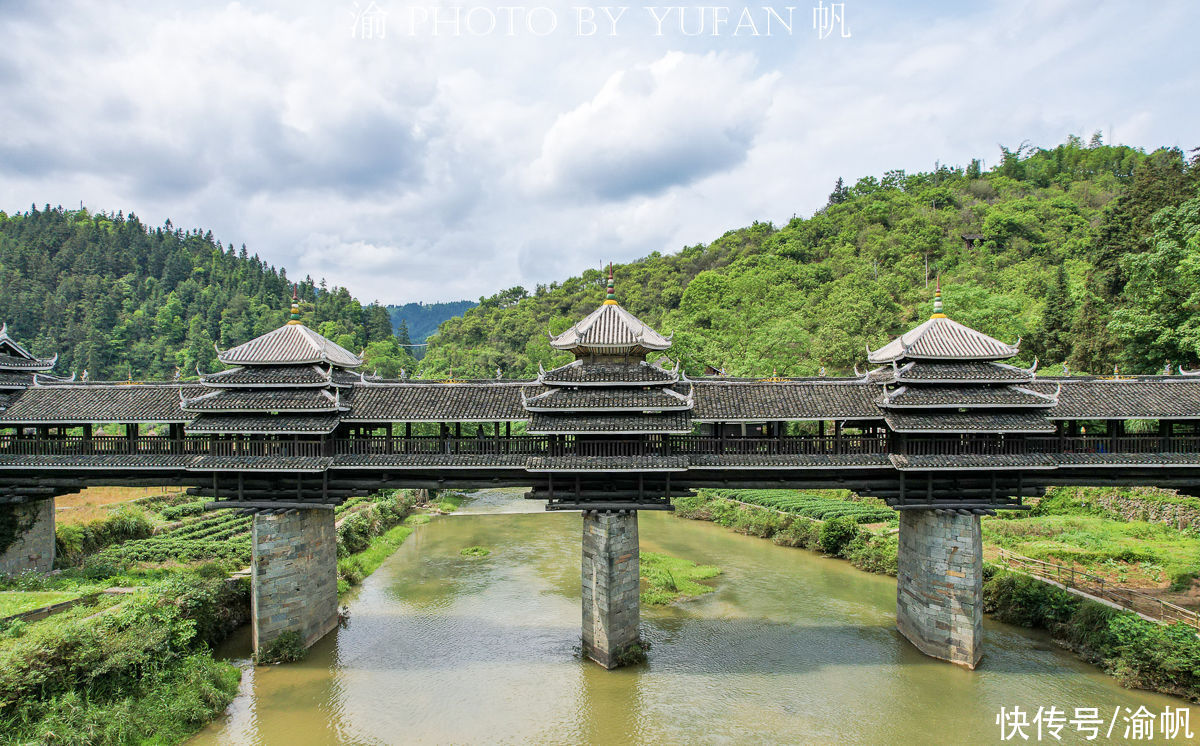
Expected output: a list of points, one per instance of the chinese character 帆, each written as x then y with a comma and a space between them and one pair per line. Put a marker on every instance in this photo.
1175, 722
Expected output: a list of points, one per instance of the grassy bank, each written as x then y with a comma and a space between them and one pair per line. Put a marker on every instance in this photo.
367, 536
667, 579
136, 671
839, 536
137, 668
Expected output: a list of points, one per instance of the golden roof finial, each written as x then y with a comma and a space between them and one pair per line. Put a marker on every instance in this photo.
294, 318
937, 300
610, 299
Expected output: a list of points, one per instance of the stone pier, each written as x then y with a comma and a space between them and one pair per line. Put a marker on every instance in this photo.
939, 585
611, 605
33, 547
294, 579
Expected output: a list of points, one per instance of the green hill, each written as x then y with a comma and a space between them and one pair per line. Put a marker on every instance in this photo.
1089, 253
422, 319
119, 299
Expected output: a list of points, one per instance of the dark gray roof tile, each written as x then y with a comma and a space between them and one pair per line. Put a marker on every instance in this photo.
436, 402
281, 424
81, 402
785, 400
985, 421
636, 373
265, 400
667, 422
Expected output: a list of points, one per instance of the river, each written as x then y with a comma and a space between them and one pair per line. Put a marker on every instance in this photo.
792, 647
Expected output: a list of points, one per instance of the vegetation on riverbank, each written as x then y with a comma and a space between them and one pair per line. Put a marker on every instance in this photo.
841, 536
1140, 653
668, 579
1082, 250
132, 671
136, 667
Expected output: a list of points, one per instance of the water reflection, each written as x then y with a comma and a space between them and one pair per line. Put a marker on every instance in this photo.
791, 648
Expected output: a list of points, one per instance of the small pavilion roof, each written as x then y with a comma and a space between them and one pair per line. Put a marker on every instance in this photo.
14, 356
291, 344
942, 338
610, 328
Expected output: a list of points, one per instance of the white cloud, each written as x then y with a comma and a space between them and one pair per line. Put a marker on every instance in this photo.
655, 126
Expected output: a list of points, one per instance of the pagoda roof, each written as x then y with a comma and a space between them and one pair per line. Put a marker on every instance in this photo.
290, 344
635, 373
942, 338
968, 422
974, 397
616, 399
263, 424
14, 356
968, 371
265, 400
610, 328
268, 376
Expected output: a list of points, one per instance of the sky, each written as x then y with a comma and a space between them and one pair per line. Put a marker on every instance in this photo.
412, 154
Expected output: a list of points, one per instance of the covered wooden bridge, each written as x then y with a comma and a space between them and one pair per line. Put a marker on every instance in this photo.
940, 427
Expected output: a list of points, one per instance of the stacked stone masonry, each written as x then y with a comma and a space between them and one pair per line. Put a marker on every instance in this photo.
939, 589
295, 575
611, 610
33, 549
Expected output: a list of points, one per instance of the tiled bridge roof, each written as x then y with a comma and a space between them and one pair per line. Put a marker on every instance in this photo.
715, 400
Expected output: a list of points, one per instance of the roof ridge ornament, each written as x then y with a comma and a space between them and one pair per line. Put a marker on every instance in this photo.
610, 297
294, 317
937, 300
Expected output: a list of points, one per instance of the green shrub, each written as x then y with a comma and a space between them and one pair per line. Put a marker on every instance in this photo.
286, 648
125, 523
1181, 581
836, 533
877, 554
475, 552
798, 532
112, 655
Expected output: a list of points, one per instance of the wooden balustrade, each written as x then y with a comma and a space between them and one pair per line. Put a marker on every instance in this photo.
596, 446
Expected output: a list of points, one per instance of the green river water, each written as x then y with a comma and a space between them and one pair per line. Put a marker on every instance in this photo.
791, 648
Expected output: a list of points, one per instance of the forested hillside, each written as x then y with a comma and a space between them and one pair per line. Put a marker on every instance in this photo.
1089, 253
419, 320
119, 299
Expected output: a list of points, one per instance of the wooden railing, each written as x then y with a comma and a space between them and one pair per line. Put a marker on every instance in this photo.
265, 448
806, 445
595, 446
376, 445
1051, 444
101, 445
1094, 585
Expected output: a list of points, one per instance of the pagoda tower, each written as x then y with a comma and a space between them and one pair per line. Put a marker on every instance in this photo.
948, 398
275, 410
610, 390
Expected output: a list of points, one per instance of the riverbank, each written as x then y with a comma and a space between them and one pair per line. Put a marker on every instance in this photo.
1139, 653
138, 666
